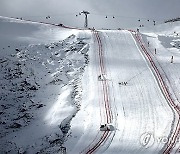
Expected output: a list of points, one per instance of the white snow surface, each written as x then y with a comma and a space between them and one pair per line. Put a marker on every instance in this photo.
138, 107
51, 97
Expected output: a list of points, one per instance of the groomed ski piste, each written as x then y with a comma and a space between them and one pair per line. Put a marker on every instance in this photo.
60, 84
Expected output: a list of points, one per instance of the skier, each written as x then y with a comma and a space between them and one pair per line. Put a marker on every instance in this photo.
99, 77
172, 59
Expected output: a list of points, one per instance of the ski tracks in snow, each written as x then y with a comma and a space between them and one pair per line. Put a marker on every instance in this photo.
167, 94
107, 115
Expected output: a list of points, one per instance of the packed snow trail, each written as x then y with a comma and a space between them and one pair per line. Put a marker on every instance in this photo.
138, 109
175, 132
108, 118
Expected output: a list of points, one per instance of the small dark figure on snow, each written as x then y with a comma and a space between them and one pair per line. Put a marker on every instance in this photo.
123, 83
172, 59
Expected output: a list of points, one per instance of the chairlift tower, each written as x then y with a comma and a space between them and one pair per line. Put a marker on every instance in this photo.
86, 18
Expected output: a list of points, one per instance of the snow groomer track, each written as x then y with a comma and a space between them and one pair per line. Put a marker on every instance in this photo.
164, 88
102, 136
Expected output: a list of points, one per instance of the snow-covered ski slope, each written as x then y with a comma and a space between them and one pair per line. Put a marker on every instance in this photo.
138, 109
137, 95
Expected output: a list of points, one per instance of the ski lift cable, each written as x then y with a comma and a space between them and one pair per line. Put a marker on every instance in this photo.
105, 15
157, 21
54, 15
132, 17
91, 13
97, 14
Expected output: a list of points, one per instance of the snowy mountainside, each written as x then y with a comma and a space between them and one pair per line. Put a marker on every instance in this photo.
15, 33
59, 86
40, 88
165, 39
168, 34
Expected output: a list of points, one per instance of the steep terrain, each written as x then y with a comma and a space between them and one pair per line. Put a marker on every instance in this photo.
40, 85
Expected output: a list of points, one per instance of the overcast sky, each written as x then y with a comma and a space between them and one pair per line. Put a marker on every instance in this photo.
126, 12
